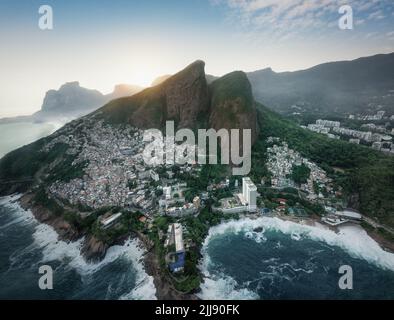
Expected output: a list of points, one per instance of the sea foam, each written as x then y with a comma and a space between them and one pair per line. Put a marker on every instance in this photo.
52, 249
352, 239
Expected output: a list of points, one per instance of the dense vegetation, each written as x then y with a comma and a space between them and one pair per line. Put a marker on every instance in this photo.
234, 85
300, 174
24, 162
341, 87
366, 175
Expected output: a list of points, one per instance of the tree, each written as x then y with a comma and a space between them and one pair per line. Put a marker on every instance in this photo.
300, 174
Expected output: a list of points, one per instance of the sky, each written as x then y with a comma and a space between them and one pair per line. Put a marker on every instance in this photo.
106, 42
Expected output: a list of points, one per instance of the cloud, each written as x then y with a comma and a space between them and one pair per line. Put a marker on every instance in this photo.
390, 35
277, 18
376, 15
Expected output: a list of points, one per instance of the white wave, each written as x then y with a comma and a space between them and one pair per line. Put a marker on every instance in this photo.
53, 249
296, 236
144, 290
256, 236
131, 250
9, 201
220, 286
353, 239
19, 214
224, 288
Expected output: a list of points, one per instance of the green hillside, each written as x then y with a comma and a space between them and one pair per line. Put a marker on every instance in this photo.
367, 175
232, 103
146, 107
232, 86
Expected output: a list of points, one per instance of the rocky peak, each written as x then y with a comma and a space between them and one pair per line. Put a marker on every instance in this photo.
186, 94
71, 96
187, 99
181, 98
232, 105
70, 85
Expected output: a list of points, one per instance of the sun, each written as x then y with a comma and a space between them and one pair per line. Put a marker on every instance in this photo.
145, 73
143, 78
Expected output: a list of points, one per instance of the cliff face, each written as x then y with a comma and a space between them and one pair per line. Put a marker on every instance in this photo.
181, 98
72, 101
71, 97
187, 99
232, 104
186, 95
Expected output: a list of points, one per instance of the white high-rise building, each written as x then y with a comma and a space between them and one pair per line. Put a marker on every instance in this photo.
167, 192
249, 192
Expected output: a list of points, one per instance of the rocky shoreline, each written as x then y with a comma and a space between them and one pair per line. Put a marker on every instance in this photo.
164, 288
94, 250
65, 231
385, 244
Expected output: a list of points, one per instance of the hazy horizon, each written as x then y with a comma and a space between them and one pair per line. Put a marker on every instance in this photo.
134, 42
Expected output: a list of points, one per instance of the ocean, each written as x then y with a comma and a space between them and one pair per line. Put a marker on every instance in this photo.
292, 261
15, 135
25, 245
283, 260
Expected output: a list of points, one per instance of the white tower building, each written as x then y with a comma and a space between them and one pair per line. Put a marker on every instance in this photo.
249, 192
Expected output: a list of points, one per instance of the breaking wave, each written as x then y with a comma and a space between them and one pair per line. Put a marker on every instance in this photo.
45, 238
352, 239
220, 286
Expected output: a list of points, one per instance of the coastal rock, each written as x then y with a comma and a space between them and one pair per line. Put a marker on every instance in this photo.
94, 249
258, 229
64, 229
164, 288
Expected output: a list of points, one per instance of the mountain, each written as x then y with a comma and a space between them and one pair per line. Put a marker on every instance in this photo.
180, 98
232, 104
161, 79
188, 100
185, 98
72, 101
365, 175
357, 86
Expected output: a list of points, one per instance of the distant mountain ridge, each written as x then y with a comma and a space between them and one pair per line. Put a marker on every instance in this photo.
186, 98
366, 175
71, 101
343, 87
